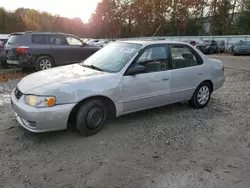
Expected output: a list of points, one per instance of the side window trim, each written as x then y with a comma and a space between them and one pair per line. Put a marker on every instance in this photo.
166, 46
197, 56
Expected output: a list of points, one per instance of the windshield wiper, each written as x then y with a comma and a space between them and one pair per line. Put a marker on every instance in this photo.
92, 67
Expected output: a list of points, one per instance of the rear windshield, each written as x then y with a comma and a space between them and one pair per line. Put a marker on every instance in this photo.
13, 39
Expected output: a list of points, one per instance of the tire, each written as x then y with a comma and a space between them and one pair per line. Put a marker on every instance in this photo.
203, 89
4, 64
87, 110
43, 63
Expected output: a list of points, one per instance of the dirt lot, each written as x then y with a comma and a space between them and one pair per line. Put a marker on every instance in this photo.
174, 146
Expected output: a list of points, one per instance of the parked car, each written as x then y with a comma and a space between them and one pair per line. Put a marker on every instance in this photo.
221, 46
44, 50
3, 40
119, 79
104, 42
192, 42
93, 41
242, 48
208, 46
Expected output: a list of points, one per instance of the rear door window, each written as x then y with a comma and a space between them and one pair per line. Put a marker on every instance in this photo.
183, 56
58, 40
39, 39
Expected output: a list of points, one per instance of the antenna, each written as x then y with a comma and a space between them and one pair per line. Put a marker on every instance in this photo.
156, 30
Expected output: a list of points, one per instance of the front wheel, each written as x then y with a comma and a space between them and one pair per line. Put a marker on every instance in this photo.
201, 95
91, 117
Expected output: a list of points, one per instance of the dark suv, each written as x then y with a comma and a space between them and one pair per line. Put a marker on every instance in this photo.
208, 46
44, 50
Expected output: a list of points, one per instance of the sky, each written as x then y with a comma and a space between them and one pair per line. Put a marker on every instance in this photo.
67, 8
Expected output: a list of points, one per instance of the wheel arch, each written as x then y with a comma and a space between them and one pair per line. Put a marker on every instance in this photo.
205, 81
107, 101
40, 55
211, 84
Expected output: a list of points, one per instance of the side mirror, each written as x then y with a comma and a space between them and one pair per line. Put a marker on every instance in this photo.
136, 70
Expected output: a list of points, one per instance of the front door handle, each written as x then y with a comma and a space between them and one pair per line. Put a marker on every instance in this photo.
165, 79
200, 73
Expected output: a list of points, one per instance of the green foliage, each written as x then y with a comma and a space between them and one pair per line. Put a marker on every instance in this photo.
243, 22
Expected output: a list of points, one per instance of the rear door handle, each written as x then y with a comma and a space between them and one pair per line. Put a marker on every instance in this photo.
165, 79
200, 73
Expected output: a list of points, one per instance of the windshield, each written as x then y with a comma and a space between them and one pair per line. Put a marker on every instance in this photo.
206, 42
113, 57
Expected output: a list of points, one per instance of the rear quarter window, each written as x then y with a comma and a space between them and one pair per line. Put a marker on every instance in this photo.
14, 39
39, 39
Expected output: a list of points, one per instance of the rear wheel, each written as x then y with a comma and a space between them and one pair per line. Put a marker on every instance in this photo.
91, 117
43, 63
201, 95
4, 64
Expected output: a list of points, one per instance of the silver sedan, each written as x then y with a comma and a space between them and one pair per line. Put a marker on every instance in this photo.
121, 78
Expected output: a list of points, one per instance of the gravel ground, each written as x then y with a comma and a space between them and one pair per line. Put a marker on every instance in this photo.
173, 146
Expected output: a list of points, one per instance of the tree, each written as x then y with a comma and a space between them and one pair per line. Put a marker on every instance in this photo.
243, 22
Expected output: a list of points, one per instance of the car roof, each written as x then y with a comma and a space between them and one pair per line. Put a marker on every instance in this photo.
43, 33
152, 42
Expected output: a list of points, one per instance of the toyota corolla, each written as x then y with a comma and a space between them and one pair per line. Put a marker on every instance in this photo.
121, 78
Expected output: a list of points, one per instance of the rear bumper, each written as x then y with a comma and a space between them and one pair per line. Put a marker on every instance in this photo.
242, 52
19, 63
218, 83
24, 60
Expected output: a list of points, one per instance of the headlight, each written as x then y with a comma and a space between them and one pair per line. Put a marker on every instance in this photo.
40, 101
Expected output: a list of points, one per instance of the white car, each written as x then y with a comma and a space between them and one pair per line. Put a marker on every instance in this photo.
119, 79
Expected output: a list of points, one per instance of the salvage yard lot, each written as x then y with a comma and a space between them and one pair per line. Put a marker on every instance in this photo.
173, 146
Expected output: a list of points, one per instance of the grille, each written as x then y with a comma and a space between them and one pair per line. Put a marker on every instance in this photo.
18, 93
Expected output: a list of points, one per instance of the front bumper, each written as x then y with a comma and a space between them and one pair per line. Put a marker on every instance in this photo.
40, 120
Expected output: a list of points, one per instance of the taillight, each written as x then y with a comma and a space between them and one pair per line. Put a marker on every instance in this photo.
1, 46
223, 68
22, 49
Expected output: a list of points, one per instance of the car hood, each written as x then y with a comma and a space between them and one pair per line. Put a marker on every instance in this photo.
52, 78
